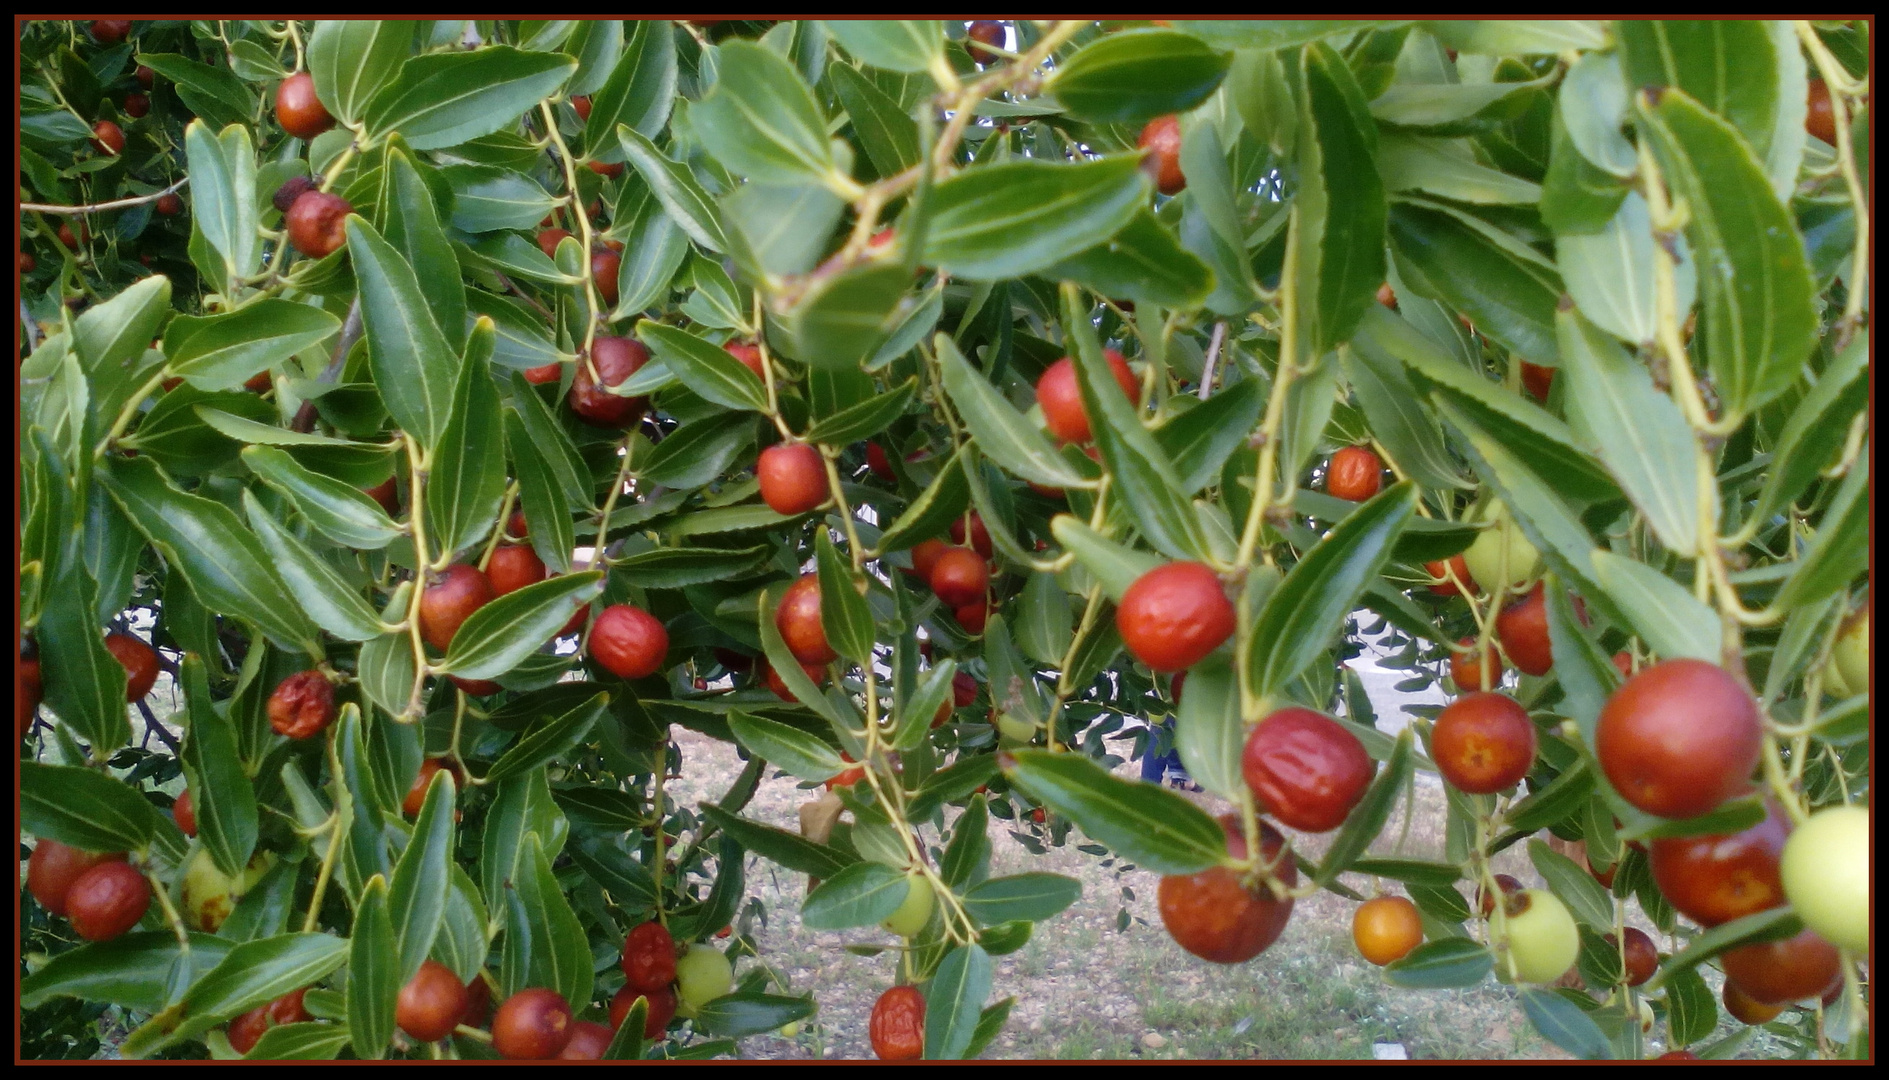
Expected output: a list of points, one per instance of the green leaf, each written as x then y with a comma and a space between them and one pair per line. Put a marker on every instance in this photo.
1449, 963
1020, 217
1002, 433
560, 954
1757, 318
864, 419
135, 971
1564, 1024
788, 668
341, 512
422, 877
550, 739
627, 1044
697, 452
1367, 819
333, 604
1145, 263
541, 427
1412, 871
1509, 37
1615, 411
1812, 437
1610, 273
912, 46
843, 317
790, 850
1272, 33
954, 1002
414, 369
886, 133
1448, 168
1207, 730
1586, 898
1691, 1008
466, 484
844, 614
221, 352
1305, 612
675, 568
1409, 432
1115, 566
214, 93
523, 804
251, 974
413, 228
1694, 57
787, 747
373, 973
706, 369
1340, 204
1144, 823
223, 194
89, 694
761, 120
639, 93
223, 561
84, 809
1509, 296
352, 59
446, 98
778, 229
1661, 611
301, 1042
487, 198
751, 1013
990, 1022
1839, 552
1032, 897
1134, 76
499, 636
1562, 800
860, 895
1771, 924
959, 780
220, 793
688, 205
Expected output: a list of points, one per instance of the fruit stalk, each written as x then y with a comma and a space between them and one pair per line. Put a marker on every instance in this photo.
591, 299
1842, 87
416, 513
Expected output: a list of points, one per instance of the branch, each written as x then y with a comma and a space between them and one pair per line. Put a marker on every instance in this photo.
115, 204
350, 333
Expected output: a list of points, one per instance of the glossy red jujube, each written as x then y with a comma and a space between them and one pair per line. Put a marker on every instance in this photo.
139, 661
615, 360
1483, 743
1306, 770
1174, 615
184, 813
1060, 395
298, 110
432, 1003
1714, 879
960, 577
532, 1025
649, 958
1355, 474
318, 223
513, 567
449, 600
629, 642
984, 32
1798, 968
107, 900
1522, 627
1214, 916
793, 478
53, 867
1161, 141
798, 620
1679, 738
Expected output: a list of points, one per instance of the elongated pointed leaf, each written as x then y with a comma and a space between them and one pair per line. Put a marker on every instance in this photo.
752, 1013
1134, 76
1008, 220
446, 98
84, 809
373, 973
421, 884
467, 481
560, 954
886, 133
955, 1001
499, 636
1001, 432
414, 369
1033, 897
761, 119
221, 352
1144, 823
1661, 611
785, 746
1448, 963
344, 514
911, 46
1207, 730
1563, 1023
351, 60
860, 895
1340, 203
790, 850
550, 739
639, 92
1509, 297
220, 793
706, 369
1368, 817
675, 189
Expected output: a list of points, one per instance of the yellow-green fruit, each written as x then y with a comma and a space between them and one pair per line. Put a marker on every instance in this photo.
1850, 658
209, 895
1485, 558
1825, 870
1014, 730
915, 911
1542, 937
790, 1030
702, 975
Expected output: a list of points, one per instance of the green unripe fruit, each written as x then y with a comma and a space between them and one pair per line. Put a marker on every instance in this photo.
1849, 660
702, 975
1014, 731
915, 911
209, 895
1502, 540
1825, 870
1542, 938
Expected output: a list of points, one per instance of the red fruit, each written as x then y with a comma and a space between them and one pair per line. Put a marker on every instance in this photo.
1355, 474
476, 687
847, 777
27, 263
1444, 586
515, 527
1483, 743
1161, 141
1679, 738
1779, 972
137, 105
549, 239
581, 104
246, 1030
1717, 878
30, 693
1623, 663
292, 189
898, 1025
1537, 380
1677, 1055
184, 813
451, 598
980, 536
1466, 667
649, 958
959, 577
107, 900
544, 373
1306, 769
1642, 955
981, 33
604, 265
259, 383
615, 360
963, 689
1060, 395
775, 683
798, 620
578, 619
432, 1003
170, 205
1523, 628
925, 557
318, 223
629, 642
110, 31
139, 661
302, 706
478, 1002
298, 110
1387, 296
1504, 884
416, 792
972, 617
146, 77
662, 1009
53, 867
513, 567
1216, 916
605, 170
942, 716
793, 478
1174, 615
588, 1040
1746, 1009
750, 356
532, 1025
880, 465
387, 494
1820, 117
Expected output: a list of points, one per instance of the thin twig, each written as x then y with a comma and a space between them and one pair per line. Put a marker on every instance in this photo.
1213, 358
115, 204
350, 333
